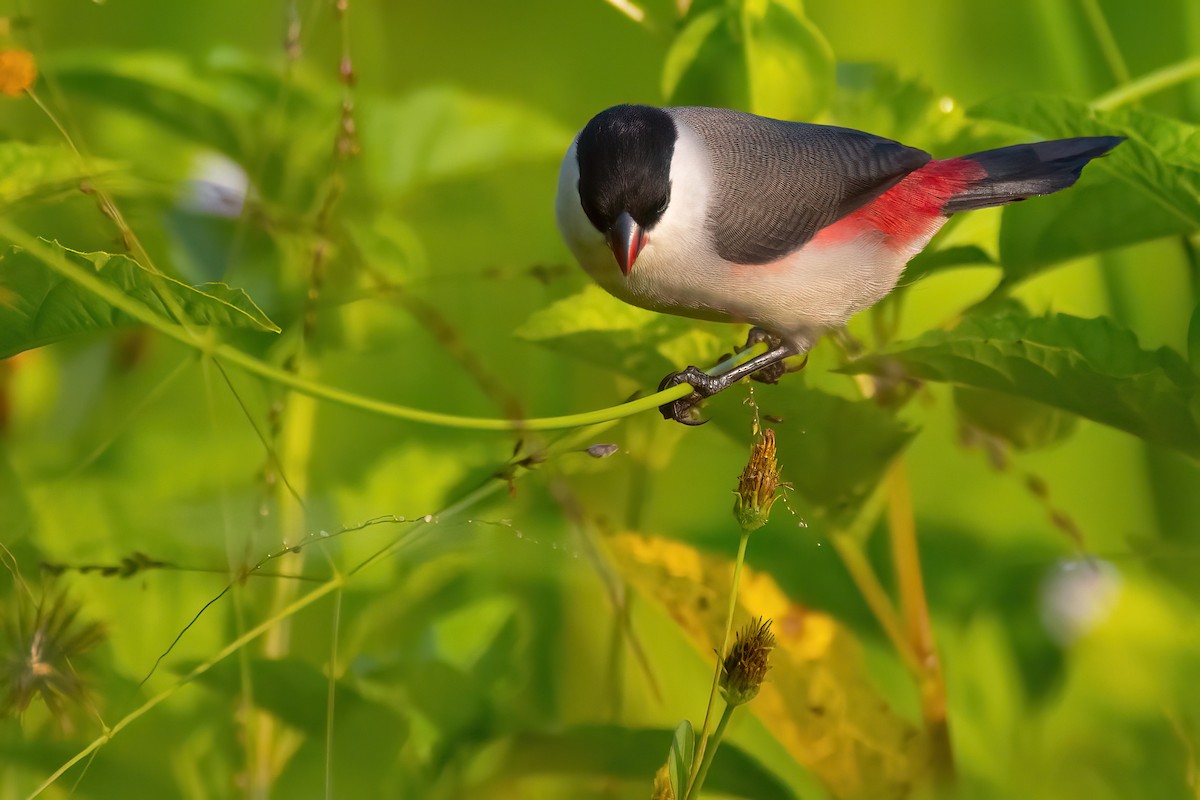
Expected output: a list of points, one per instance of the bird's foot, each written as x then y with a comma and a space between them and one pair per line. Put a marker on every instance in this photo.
773, 372
686, 410
759, 335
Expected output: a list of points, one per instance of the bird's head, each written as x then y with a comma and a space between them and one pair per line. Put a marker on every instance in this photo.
624, 158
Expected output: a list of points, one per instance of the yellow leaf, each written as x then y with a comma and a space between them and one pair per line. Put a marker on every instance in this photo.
817, 700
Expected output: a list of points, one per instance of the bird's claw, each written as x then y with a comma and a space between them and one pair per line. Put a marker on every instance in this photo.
686, 410
759, 335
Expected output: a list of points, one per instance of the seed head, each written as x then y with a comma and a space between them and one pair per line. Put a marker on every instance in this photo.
745, 665
758, 487
38, 650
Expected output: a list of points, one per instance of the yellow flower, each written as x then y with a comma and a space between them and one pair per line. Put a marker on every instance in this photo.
17, 71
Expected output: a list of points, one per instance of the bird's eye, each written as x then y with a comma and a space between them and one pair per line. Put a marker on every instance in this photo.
662, 207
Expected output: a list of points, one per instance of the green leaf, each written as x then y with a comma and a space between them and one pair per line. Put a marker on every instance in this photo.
634, 754
790, 65
445, 134
1194, 340
38, 306
679, 760
761, 55
187, 99
1146, 188
40, 172
297, 693
1087, 367
930, 261
686, 48
596, 327
1024, 424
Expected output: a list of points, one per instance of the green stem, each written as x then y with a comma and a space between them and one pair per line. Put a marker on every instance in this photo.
718, 734
1156, 81
712, 693
232, 355
877, 599
1106, 40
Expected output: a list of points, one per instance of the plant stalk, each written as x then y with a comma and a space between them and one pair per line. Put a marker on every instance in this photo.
902, 533
717, 736
712, 693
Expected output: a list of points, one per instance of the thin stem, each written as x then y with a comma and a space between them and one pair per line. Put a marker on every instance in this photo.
877, 599
1106, 40
232, 355
717, 736
906, 561
329, 700
1149, 84
712, 693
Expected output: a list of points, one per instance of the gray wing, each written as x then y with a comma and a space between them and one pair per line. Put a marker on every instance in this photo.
777, 183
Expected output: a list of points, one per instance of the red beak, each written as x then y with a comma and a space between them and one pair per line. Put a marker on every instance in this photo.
626, 238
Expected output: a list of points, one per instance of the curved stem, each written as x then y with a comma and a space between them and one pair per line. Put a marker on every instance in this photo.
1149, 84
249, 363
712, 693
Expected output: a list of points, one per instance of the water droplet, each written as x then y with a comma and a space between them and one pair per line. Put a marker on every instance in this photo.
401, 518
520, 535
323, 534
428, 518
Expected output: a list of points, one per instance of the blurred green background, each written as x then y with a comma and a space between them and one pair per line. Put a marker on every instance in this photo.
544, 629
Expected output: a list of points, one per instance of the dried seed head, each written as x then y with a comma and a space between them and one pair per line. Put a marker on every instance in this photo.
17, 72
745, 665
758, 487
38, 653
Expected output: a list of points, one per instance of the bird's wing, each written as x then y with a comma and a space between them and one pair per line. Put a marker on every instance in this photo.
775, 184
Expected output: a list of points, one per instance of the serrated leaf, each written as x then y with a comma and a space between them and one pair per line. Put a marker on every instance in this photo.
1088, 367
679, 760
596, 327
445, 134
1146, 188
39, 172
1024, 424
38, 306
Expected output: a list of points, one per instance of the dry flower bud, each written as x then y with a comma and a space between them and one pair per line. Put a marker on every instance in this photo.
38, 653
602, 450
758, 487
745, 665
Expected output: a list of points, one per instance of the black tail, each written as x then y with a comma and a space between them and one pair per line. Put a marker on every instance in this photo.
1028, 170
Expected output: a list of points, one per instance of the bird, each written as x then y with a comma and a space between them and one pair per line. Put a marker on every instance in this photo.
792, 227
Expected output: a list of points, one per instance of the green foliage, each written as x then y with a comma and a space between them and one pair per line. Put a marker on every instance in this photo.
38, 306
480, 613
1088, 367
